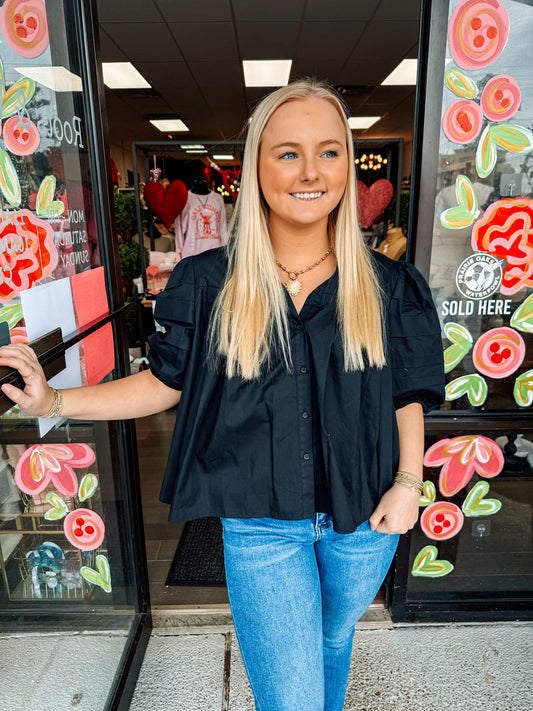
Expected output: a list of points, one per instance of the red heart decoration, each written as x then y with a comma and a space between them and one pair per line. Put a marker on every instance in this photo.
373, 200
166, 203
152, 270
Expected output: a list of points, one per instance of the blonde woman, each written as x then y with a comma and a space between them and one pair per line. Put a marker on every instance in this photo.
302, 364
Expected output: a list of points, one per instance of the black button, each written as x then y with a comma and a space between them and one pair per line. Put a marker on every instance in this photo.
307, 456
299, 327
303, 369
305, 414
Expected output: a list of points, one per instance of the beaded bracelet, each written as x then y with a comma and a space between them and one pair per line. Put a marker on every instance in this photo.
56, 408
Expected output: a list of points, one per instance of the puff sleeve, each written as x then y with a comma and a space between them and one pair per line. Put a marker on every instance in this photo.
415, 342
175, 311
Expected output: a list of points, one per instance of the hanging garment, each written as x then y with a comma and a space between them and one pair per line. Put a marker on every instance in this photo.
201, 225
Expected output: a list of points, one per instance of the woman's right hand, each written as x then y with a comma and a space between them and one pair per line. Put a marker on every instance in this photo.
37, 396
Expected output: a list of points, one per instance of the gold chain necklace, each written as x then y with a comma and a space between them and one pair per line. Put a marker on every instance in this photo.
294, 285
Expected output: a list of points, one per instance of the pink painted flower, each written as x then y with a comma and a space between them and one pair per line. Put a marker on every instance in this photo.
460, 457
46, 464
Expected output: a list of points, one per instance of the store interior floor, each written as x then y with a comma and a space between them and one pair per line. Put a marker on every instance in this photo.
153, 440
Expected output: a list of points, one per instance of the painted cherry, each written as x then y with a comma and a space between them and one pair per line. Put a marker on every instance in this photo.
21, 135
499, 352
84, 529
441, 520
478, 32
500, 98
462, 121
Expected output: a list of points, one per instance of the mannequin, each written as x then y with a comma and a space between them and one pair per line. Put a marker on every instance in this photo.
202, 223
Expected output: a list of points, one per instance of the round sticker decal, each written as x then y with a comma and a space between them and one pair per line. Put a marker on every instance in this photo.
479, 275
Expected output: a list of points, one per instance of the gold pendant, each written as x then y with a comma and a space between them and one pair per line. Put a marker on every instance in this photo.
293, 286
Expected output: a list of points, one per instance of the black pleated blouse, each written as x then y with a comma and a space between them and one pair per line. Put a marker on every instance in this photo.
291, 444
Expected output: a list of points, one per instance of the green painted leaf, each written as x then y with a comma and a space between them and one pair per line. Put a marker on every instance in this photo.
476, 504
461, 85
429, 494
461, 343
455, 218
523, 389
522, 318
516, 139
427, 565
59, 508
474, 386
466, 197
9, 181
101, 576
17, 96
12, 314
88, 486
46, 193
486, 154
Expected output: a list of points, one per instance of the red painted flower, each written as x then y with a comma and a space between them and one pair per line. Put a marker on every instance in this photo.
460, 457
27, 254
506, 231
462, 121
442, 520
478, 32
500, 98
84, 528
24, 26
46, 464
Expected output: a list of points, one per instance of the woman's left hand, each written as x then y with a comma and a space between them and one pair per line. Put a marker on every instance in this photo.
397, 511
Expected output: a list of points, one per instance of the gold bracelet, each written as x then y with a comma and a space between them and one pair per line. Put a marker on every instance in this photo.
56, 408
410, 481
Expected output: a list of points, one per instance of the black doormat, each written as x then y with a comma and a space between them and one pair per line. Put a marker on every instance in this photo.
199, 557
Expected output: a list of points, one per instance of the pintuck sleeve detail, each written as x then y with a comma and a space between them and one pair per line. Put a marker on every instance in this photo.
415, 342
175, 311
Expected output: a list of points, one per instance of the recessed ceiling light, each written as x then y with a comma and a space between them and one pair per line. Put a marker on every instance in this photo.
123, 75
191, 146
223, 156
165, 125
56, 78
362, 121
196, 150
266, 72
403, 75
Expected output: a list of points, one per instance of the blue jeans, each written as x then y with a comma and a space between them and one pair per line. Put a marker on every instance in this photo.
296, 590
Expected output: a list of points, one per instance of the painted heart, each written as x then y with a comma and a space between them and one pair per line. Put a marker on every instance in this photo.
166, 203
474, 386
427, 565
523, 389
101, 576
59, 508
152, 270
461, 343
429, 494
466, 210
476, 504
88, 486
371, 201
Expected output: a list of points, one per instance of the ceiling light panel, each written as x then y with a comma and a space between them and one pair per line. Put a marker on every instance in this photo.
268, 72
359, 122
403, 75
123, 75
223, 156
56, 78
172, 125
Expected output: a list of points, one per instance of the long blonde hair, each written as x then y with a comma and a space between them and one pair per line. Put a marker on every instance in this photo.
250, 318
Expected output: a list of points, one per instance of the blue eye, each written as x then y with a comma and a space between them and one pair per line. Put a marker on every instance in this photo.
289, 155
331, 154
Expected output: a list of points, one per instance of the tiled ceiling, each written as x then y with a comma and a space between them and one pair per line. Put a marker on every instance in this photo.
191, 52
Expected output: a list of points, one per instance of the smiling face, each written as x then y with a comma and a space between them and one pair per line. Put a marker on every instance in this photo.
303, 164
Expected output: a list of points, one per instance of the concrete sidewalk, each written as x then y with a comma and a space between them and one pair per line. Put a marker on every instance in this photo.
482, 667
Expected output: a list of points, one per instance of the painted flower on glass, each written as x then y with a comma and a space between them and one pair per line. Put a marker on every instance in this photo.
42, 465
27, 254
506, 231
460, 457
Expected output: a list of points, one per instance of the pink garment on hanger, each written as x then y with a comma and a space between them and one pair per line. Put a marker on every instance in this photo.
201, 225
